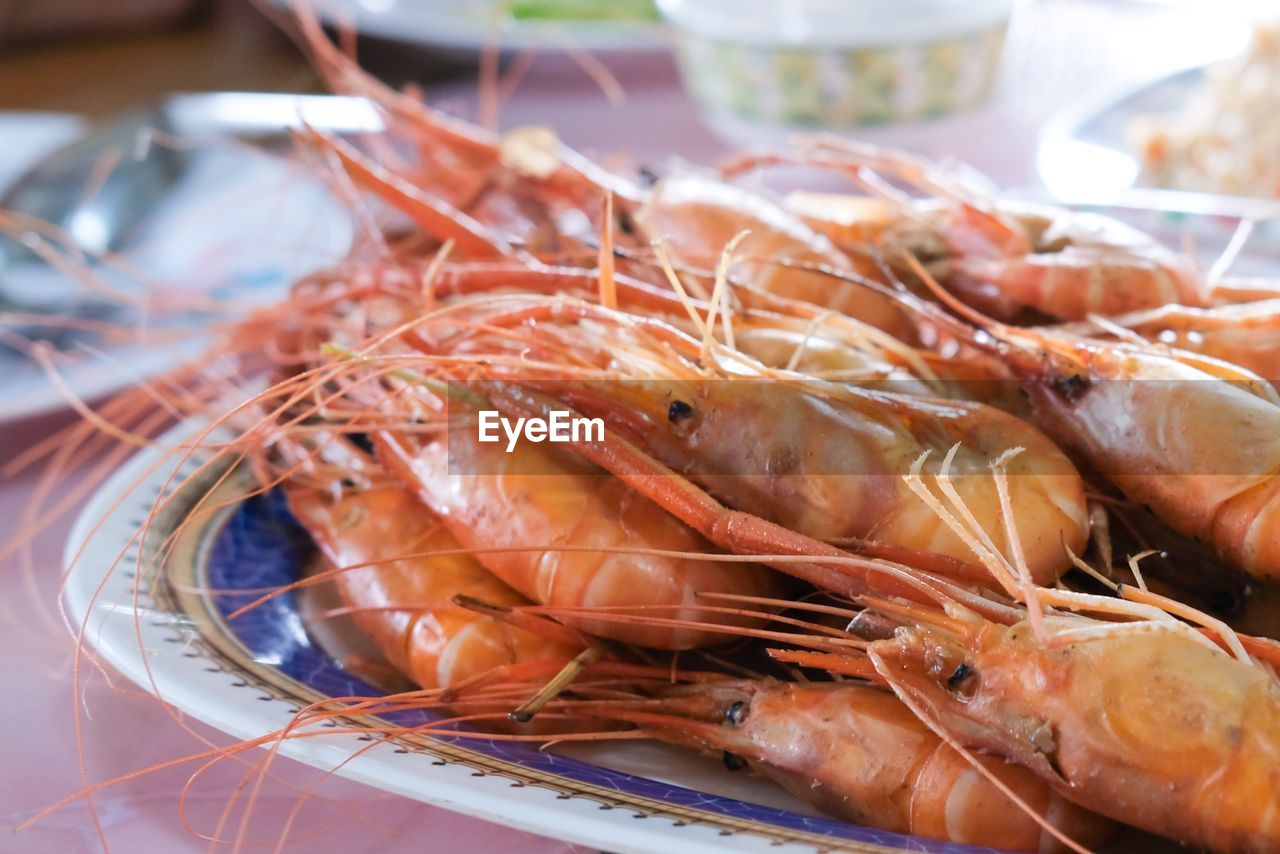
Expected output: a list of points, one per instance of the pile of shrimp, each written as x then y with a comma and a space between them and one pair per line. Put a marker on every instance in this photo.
948, 515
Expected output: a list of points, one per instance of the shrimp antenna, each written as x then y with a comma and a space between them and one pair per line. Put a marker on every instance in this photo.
668, 270
719, 296
608, 287
1035, 612
522, 619
858, 667
961, 522
944, 296
1230, 253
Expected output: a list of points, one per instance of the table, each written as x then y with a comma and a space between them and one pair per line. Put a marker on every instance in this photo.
1059, 50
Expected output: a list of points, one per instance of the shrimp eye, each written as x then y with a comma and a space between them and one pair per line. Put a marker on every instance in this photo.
735, 714
1071, 388
961, 678
734, 762
626, 224
1227, 602
679, 411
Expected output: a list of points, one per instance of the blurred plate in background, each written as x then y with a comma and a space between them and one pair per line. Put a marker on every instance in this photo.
595, 25
208, 212
1086, 152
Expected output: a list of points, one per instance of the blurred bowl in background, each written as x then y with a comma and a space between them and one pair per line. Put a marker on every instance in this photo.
757, 67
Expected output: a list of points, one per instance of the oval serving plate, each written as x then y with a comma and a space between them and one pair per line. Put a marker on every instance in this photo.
249, 675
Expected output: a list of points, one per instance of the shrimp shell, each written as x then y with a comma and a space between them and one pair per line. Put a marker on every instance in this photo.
1142, 722
858, 753
564, 534
402, 594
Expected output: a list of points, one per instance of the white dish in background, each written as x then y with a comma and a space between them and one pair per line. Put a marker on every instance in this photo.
29, 136
1086, 152
237, 226
471, 26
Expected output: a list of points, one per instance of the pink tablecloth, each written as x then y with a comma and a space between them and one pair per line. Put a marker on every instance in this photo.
1059, 50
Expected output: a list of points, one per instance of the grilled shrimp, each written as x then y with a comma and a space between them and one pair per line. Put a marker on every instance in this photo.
827, 465
563, 534
490, 193
695, 217
1148, 711
1071, 265
1195, 441
1002, 257
1143, 721
1244, 334
858, 753
818, 459
399, 569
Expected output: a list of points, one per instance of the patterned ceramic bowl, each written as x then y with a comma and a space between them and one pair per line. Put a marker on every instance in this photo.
781, 64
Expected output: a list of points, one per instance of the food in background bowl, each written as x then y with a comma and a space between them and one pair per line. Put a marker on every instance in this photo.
1227, 138
754, 64
583, 10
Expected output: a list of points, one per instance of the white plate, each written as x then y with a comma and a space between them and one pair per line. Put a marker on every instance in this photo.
1085, 151
238, 225
249, 677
